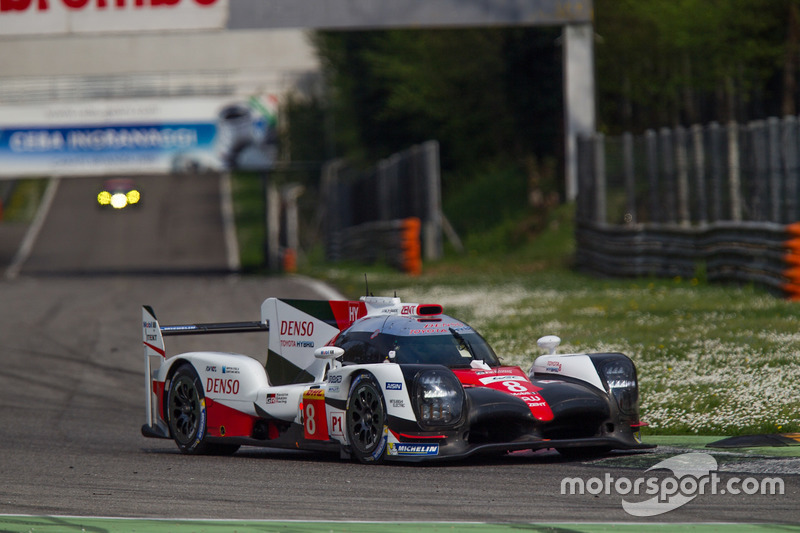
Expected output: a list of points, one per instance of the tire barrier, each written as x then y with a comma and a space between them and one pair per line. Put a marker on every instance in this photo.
763, 253
394, 242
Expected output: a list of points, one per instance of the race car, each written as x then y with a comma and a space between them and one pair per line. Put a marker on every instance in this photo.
378, 379
118, 193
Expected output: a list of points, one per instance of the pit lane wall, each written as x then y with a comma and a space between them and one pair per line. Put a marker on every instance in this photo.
714, 202
141, 136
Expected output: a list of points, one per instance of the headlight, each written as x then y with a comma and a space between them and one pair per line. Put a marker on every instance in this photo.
438, 398
133, 196
104, 198
118, 200
620, 376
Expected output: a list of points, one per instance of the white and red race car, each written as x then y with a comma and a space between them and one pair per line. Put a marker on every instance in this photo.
378, 379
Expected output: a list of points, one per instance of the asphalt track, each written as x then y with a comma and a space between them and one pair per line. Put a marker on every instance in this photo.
72, 396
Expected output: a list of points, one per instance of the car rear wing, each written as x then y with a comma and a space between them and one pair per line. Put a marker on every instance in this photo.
155, 352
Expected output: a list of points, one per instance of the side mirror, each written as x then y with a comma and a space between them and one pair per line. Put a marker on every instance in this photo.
549, 343
328, 352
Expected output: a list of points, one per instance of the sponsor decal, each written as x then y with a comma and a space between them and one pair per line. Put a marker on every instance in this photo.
297, 328
151, 338
333, 389
314, 393
230, 370
400, 448
408, 310
393, 385
297, 344
552, 366
335, 378
148, 325
336, 424
277, 398
212, 368
399, 404
222, 386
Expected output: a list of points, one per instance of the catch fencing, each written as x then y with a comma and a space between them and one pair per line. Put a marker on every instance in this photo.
391, 212
714, 201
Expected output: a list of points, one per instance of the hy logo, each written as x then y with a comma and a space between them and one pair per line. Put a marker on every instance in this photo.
688, 470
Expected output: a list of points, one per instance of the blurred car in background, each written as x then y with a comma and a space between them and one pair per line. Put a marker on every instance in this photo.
118, 193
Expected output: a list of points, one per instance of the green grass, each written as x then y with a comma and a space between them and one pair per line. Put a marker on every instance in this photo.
712, 359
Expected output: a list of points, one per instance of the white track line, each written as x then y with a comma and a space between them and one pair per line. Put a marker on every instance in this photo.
33, 231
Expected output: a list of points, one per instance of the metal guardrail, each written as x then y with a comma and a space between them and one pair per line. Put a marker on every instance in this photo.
715, 201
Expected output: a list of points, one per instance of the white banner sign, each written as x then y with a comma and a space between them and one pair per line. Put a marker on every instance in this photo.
31, 17
137, 136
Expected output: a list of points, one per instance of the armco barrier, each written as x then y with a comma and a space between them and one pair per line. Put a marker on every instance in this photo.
763, 253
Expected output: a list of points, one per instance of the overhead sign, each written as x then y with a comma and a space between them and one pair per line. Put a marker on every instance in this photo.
30, 17
137, 136
374, 14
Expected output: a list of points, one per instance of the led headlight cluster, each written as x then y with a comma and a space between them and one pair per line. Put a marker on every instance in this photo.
118, 200
620, 376
438, 398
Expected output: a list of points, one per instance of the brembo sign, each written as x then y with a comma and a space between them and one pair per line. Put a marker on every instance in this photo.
29, 17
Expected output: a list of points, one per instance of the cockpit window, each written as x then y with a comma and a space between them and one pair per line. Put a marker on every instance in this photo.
454, 350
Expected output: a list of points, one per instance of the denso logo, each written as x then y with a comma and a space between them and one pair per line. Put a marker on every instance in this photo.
44, 5
222, 386
297, 328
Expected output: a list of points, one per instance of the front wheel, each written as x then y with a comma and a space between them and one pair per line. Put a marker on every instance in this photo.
366, 420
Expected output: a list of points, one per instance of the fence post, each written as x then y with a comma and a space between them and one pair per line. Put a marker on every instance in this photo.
432, 229
734, 172
684, 218
600, 178
698, 147
715, 142
773, 130
760, 179
652, 176
630, 183
668, 172
790, 166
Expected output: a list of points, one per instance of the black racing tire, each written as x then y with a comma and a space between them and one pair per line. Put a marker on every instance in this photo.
366, 420
186, 411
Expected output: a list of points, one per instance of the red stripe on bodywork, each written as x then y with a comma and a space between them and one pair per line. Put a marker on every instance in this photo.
159, 351
511, 380
236, 423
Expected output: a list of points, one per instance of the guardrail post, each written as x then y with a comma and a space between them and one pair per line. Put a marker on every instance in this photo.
698, 148
630, 183
432, 228
668, 173
773, 139
652, 176
789, 141
715, 144
600, 178
734, 172
759, 179
682, 176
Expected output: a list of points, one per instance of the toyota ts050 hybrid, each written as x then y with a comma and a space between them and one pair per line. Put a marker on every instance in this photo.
378, 379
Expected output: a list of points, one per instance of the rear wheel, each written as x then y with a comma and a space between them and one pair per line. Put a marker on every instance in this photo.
186, 414
366, 420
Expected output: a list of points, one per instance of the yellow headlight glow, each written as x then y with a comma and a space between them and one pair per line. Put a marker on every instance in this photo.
104, 198
133, 196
